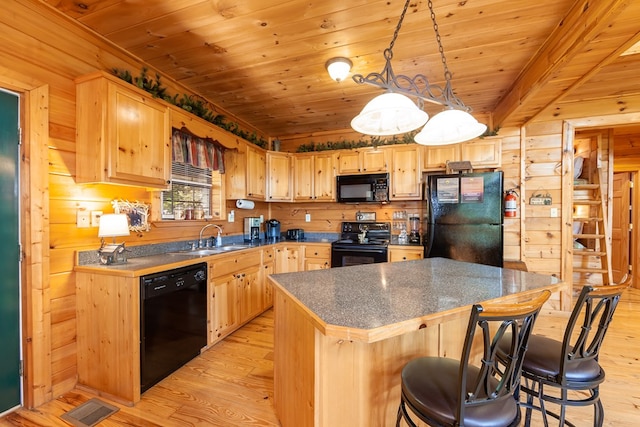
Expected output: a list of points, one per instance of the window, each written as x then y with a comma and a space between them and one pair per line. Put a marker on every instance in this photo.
196, 181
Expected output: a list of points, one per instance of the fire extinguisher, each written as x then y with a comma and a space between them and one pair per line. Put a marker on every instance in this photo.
510, 203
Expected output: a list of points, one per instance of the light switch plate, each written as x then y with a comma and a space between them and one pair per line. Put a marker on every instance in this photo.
95, 218
307, 217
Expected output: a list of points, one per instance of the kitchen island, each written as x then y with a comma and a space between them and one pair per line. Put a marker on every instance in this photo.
342, 335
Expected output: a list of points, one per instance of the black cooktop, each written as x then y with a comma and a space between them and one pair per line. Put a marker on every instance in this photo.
375, 233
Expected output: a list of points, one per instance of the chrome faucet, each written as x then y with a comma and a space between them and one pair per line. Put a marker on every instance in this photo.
202, 244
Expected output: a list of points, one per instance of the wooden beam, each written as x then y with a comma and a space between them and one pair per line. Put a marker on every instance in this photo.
583, 23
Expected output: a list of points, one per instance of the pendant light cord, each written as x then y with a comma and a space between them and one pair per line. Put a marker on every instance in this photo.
447, 73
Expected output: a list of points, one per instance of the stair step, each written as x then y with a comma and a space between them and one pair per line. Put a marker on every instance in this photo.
589, 253
589, 219
586, 187
590, 202
589, 270
588, 236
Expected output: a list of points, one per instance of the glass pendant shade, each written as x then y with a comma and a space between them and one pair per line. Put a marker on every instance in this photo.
389, 114
450, 127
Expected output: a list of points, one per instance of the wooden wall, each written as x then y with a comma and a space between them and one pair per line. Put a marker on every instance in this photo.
41, 48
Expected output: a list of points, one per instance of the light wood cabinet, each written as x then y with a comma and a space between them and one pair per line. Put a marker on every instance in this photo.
238, 284
314, 177
288, 258
406, 174
245, 174
255, 173
108, 334
317, 257
123, 135
268, 267
435, 158
482, 153
224, 316
405, 253
366, 160
278, 177
250, 292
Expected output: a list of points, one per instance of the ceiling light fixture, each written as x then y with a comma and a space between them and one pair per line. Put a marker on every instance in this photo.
379, 117
338, 68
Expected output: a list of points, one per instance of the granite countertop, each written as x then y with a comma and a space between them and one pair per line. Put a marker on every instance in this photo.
366, 297
147, 264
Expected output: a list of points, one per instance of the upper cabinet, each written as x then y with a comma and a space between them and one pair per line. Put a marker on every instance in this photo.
314, 177
406, 173
482, 153
123, 134
278, 177
245, 173
365, 160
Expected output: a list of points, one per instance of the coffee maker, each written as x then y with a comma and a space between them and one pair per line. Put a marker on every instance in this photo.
272, 230
251, 229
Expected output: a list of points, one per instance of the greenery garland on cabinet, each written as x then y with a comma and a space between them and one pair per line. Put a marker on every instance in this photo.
194, 104
203, 109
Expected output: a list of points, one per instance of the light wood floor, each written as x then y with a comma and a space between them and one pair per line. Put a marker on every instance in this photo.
231, 384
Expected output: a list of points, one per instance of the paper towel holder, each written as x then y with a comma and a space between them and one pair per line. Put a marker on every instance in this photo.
244, 204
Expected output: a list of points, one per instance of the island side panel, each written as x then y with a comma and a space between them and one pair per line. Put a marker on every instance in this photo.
293, 362
108, 319
359, 383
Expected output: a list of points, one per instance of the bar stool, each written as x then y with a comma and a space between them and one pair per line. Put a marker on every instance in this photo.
442, 391
571, 365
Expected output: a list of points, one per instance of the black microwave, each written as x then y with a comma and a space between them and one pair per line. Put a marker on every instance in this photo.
368, 188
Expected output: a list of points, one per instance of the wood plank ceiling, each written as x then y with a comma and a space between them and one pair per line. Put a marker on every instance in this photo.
262, 61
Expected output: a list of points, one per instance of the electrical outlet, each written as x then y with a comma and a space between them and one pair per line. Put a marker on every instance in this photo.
231, 217
95, 218
554, 212
307, 218
261, 219
83, 218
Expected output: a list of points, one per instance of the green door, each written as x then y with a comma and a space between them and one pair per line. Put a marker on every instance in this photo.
9, 253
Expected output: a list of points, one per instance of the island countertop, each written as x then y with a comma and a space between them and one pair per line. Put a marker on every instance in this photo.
377, 301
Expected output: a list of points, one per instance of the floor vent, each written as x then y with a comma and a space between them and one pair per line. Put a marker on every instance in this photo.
89, 413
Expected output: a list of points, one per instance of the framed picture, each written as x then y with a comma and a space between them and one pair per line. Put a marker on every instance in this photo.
137, 214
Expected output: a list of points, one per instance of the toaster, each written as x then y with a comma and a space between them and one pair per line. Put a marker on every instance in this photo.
295, 234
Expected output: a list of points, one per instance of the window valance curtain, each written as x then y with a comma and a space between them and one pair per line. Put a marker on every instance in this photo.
203, 153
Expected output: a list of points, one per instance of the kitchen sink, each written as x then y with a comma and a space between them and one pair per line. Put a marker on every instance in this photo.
210, 251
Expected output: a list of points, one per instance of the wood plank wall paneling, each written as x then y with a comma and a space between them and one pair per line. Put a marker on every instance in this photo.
48, 51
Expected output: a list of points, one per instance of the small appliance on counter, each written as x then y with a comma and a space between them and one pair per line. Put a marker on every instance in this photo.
295, 234
414, 225
272, 230
251, 229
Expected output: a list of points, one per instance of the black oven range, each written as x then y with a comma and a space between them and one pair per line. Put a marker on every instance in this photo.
361, 243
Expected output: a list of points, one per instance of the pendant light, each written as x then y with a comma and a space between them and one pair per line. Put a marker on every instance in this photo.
381, 117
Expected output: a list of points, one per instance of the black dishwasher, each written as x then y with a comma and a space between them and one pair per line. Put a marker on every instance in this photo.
173, 321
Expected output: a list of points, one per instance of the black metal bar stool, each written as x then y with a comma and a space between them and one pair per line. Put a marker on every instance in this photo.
442, 391
572, 364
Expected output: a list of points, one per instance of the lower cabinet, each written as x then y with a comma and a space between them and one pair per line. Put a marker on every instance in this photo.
317, 257
236, 289
288, 258
405, 253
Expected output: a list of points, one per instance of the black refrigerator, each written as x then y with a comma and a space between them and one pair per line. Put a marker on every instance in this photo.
464, 220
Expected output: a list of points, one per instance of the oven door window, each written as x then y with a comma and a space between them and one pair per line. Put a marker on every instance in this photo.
354, 256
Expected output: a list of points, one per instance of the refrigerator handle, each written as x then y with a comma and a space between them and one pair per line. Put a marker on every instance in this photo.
429, 243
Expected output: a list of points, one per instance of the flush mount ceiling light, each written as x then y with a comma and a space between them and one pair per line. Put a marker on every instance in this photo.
338, 68
378, 117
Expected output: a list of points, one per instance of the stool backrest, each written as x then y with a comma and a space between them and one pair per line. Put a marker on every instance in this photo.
496, 379
592, 314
